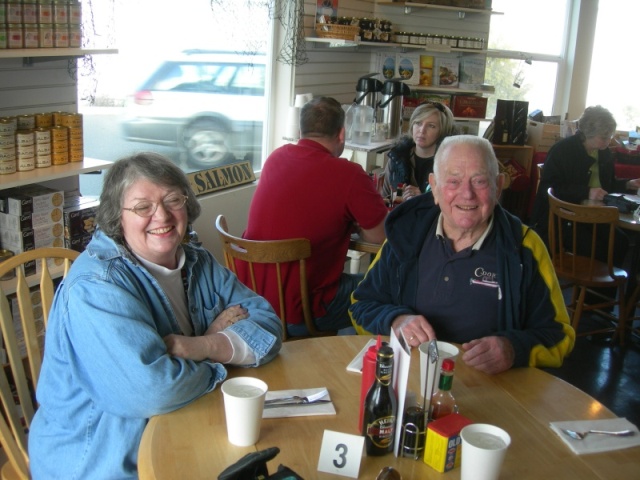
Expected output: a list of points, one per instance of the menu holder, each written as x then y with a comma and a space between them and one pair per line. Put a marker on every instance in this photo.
402, 355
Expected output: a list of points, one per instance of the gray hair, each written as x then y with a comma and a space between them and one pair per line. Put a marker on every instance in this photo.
597, 122
124, 173
481, 144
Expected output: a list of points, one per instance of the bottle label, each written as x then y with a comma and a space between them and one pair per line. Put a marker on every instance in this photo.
381, 431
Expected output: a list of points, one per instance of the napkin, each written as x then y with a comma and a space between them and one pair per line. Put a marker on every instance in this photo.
594, 443
298, 410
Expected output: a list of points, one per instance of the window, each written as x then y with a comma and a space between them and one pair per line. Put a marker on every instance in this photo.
527, 46
189, 82
611, 80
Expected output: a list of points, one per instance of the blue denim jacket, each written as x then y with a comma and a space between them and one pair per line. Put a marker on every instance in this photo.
106, 369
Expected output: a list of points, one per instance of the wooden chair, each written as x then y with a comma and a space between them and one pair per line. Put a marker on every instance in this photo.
12, 430
581, 269
277, 252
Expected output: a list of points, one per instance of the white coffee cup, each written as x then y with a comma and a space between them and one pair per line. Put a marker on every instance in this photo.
243, 406
483, 450
445, 350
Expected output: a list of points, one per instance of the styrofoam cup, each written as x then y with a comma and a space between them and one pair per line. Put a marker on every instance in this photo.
243, 406
445, 350
483, 449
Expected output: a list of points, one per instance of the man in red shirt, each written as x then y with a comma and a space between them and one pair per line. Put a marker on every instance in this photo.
307, 190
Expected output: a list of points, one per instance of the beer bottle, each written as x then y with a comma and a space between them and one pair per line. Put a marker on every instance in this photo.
442, 401
379, 423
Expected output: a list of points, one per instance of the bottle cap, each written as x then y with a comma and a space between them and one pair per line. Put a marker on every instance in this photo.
448, 365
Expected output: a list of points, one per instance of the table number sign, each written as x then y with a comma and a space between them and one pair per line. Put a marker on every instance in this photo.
341, 453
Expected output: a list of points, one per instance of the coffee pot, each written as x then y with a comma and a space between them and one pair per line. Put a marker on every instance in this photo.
367, 91
390, 105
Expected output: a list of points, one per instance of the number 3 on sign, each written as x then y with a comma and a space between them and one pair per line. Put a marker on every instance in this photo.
341, 453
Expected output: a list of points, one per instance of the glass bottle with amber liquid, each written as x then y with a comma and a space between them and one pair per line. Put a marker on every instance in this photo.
442, 401
380, 407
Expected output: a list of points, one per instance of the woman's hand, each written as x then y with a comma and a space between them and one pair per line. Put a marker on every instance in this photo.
410, 191
227, 317
416, 329
597, 194
208, 347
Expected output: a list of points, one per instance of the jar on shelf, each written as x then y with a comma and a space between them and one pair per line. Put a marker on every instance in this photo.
45, 35
366, 29
414, 38
30, 36
75, 36
45, 12
437, 39
61, 35
14, 35
60, 12
401, 37
14, 12
75, 12
29, 12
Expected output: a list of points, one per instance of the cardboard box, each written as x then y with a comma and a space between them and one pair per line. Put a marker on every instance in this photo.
33, 198
542, 136
386, 66
447, 72
442, 451
50, 235
80, 219
28, 221
469, 106
78, 243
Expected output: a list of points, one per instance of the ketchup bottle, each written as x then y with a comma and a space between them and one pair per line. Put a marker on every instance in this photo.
368, 375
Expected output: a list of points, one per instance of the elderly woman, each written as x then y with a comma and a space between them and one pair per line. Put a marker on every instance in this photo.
140, 326
459, 268
581, 167
410, 161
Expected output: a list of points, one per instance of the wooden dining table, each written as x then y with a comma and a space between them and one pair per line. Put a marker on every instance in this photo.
192, 442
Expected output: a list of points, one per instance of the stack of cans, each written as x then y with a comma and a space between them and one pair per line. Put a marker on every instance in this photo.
8, 127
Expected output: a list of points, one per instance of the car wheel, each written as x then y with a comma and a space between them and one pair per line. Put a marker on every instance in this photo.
205, 144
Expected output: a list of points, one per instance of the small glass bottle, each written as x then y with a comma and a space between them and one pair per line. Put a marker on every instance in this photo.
380, 412
397, 196
442, 401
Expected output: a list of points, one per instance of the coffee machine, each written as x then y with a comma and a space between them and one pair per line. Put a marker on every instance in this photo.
367, 91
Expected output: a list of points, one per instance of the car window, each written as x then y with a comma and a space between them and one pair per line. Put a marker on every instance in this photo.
249, 80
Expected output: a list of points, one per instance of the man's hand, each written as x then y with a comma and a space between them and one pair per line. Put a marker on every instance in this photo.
489, 354
416, 329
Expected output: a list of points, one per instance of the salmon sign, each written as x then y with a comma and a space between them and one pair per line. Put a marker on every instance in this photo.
220, 178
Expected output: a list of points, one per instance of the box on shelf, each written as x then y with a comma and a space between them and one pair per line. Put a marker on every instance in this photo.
469, 106
410, 103
442, 451
408, 66
29, 199
472, 72
386, 65
542, 136
29, 220
447, 72
78, 242
50, 235
80, 219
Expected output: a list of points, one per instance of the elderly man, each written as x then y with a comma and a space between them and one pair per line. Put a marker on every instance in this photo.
307, 190
458, 267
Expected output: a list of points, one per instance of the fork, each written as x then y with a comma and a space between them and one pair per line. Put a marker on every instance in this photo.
581, 435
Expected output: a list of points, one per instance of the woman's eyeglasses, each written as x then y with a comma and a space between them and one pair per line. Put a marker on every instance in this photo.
171, 202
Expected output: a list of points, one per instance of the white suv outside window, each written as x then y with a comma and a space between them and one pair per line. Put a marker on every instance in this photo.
211, 105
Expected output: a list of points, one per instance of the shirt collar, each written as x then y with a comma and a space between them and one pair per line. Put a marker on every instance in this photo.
479, 242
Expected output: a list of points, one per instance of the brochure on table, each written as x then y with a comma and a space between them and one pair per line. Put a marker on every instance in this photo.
402, 356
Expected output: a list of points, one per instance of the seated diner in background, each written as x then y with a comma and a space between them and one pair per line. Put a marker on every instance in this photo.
307, 191
141, 326
457, 267
579, 168
410, 160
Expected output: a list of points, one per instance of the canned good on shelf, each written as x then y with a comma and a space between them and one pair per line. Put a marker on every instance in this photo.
43, 161
26, 122
59, 158
8, 125
14, 12
58, 132
61, 35
45, 35
76, 155
7, 140
3, 36
8, 154
44, 120
29, 12
43, 149
75, 36
14, 35
25, 151
75, 13
30, 36
25, 164
7, 167
60, 11
45, 11
42, 135
24, 137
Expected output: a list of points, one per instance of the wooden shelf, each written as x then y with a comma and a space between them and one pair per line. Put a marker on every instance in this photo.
53, 52
433, 48
54, 172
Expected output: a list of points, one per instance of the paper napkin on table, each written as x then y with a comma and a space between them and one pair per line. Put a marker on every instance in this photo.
594, 443
298, 410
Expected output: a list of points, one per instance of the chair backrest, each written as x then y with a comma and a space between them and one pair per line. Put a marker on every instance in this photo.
275, 252
50, 263
566, 235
